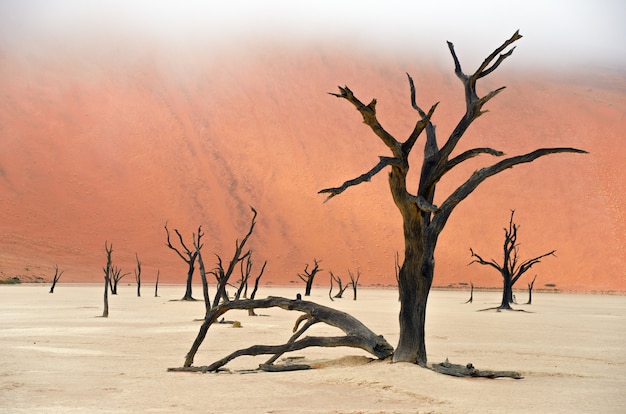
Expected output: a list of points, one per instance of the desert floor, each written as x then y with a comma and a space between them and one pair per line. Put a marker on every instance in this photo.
58, 355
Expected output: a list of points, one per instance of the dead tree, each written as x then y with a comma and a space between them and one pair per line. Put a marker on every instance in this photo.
511, 268
342, 288
56, 277
357, 335
530, 291
187, 255
205, 285
138, 275
223, 275
115, 277
107, 278
308, 277
246, 272
354, 281
156, 284
471, 298
422, 220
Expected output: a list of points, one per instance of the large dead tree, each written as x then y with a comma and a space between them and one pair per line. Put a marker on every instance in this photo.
188, 256
422, 220
511, 268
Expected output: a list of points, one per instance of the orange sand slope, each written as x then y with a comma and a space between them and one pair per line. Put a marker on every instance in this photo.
99, 148
59, 356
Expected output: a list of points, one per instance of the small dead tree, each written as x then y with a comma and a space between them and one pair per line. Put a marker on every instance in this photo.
354, 281
156, 284
471, 298
511, 268
308, 277
342, 288
116, 276
138, 275
107, 278
530, 291
205, 285
223, 275
246, 272
56, 277
187, 255
422, 220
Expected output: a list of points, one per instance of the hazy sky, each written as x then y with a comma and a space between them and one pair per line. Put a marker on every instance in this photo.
554, 30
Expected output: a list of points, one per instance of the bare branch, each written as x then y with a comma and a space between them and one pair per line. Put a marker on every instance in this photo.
481, 175
431, 147
368, 112
384, 162
482, 261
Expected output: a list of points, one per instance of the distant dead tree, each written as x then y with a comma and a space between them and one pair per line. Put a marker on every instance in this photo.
187, 255
108, 269
56, 277
223, 275
530, 291
354, 281
138, 275
511, 268
422, 220
342, 288
471, 298
308, 277
156, 284
246, 272
115, 277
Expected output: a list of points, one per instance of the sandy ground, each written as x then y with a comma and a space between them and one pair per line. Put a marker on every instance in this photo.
58, 355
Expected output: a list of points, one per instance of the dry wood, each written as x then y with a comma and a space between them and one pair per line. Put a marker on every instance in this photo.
468, 371
357, 334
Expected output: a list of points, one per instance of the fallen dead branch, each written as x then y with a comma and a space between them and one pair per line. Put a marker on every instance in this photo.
357, 335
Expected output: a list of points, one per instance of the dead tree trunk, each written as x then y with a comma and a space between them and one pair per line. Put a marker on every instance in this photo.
107, 278
511, 268
308, 277
354, 281
187, 255
56, 277
530, 291
357, 334
205, 285
138, 275
422, 220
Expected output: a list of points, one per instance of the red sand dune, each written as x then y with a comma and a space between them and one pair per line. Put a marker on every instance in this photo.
97, 148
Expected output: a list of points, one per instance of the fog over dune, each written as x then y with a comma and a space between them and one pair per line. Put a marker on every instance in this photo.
116, 120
